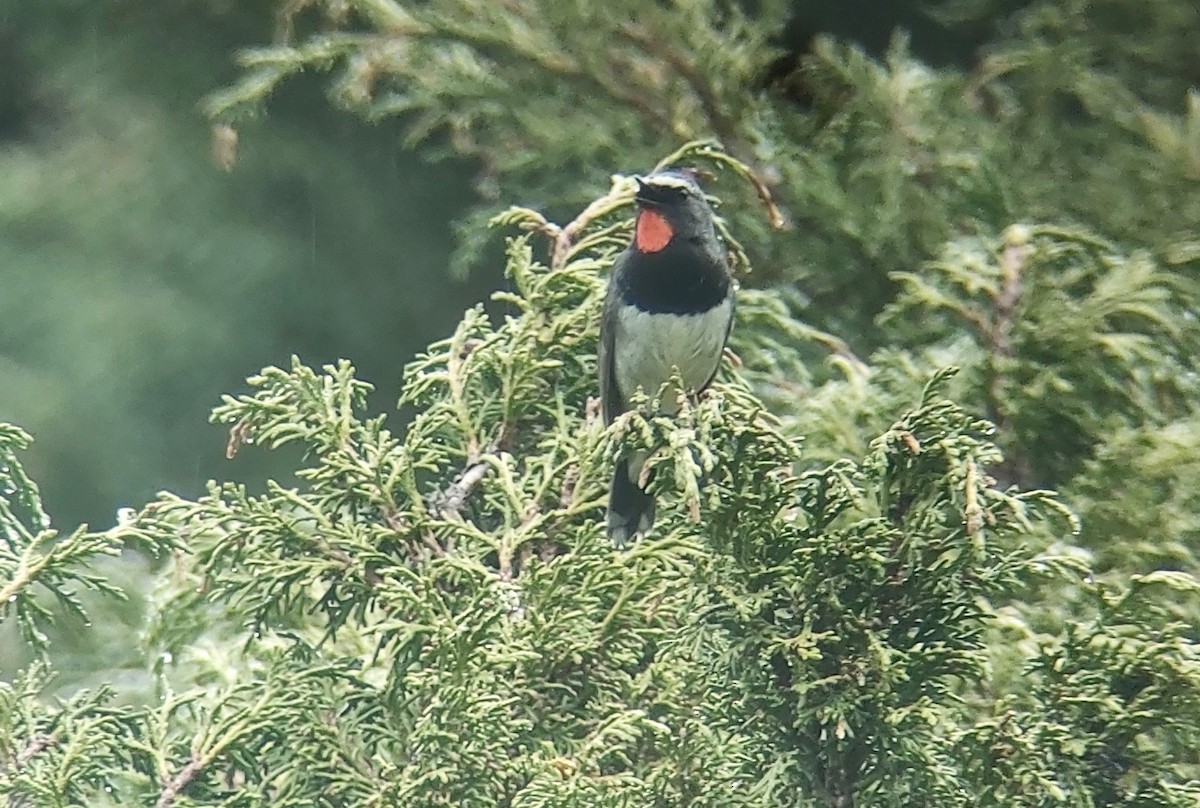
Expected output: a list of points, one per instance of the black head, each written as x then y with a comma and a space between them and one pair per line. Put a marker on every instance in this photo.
674, 196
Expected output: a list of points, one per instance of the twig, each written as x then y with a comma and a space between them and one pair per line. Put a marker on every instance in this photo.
778, 220
564, 238
506, 564
972, 512
177, 783
369, 576
239, 435
454, 498
1012, 264
390, 17
39, 743
433, 545
29, 567
717, 153
398, 524
724, 127
998, 332
317, 539
569, 488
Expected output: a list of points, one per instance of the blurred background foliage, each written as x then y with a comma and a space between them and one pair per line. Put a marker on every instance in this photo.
140, 281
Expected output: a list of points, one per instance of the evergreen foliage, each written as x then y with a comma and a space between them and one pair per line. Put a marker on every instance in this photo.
1011, 219
138, 278
437, 618
861, 590
1083, 112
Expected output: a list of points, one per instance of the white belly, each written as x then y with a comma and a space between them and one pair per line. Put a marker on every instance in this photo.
647, 346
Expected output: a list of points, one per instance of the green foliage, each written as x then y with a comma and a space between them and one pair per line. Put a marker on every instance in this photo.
1081, 356
1138, 496
436, 618
496, 76
63, 755
1061, 322
139, 278
1106, 692
502, 84
33, 556
857, 592
877, 163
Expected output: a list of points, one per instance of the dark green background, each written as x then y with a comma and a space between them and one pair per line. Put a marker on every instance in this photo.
138, 282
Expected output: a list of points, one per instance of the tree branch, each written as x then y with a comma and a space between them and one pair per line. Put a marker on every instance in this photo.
177, 783
998, 332
563, 238
453, 498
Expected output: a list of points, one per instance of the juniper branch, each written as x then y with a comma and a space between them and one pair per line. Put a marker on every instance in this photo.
178, 782
998, 332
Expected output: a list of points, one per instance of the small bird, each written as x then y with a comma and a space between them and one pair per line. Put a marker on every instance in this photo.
669, 305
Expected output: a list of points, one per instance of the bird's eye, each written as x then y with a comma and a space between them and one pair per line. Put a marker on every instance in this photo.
662, 193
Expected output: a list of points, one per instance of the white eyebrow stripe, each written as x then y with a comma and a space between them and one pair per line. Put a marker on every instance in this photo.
667, 181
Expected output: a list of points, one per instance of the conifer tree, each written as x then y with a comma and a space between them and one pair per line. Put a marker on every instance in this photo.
861, 590
437, 618
1031, 219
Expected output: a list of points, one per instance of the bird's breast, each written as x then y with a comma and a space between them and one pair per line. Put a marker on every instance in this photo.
647, 345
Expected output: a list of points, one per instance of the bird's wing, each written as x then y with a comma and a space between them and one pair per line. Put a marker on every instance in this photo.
610, 394
725, 341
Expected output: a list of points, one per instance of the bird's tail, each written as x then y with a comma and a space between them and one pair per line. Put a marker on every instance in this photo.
630, 508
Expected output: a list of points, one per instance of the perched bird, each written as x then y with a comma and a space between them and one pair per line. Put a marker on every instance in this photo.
669, 305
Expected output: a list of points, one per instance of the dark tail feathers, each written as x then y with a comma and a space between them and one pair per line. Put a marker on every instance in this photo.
630, 509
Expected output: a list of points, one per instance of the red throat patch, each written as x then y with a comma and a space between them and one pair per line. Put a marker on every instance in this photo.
653, 232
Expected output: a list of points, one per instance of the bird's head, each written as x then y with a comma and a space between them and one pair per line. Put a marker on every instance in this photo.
670, 207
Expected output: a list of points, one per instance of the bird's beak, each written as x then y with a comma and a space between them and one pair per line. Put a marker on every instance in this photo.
642, 195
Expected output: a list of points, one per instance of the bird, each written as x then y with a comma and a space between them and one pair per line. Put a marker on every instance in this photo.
669, 304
